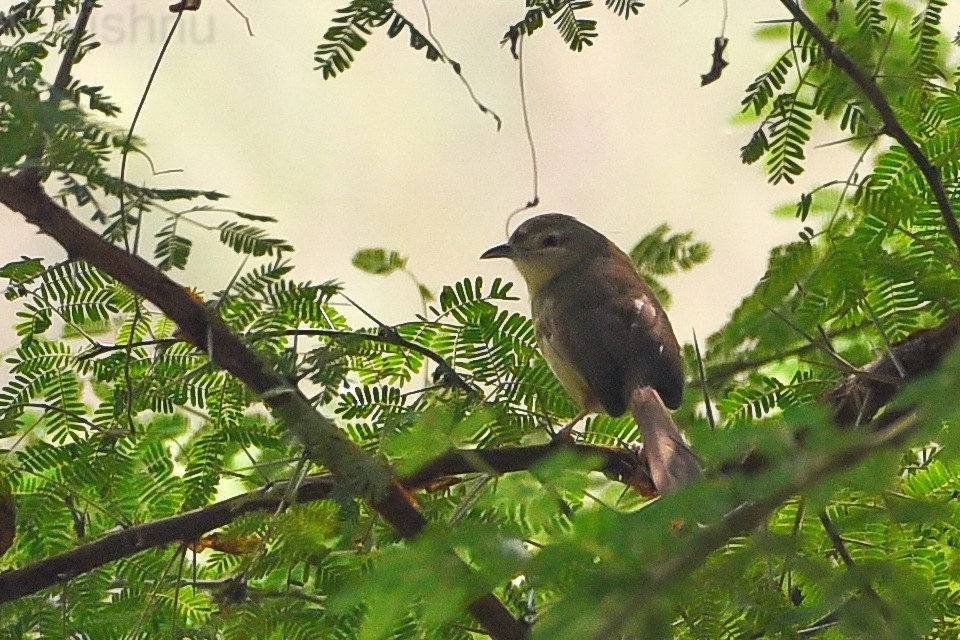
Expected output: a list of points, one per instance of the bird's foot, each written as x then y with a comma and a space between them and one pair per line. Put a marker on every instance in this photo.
642, 480
565, 435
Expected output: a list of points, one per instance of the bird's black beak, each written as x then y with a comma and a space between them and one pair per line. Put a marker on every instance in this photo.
501, 251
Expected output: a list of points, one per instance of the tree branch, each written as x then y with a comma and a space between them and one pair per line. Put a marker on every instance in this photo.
185, 527
360, 472
70, 51
621, 464
891, 124
858, 398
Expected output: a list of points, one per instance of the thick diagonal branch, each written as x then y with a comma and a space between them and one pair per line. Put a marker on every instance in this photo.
858, 398
326, 444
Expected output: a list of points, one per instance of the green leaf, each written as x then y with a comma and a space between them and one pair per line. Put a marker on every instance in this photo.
662, 253
379, 262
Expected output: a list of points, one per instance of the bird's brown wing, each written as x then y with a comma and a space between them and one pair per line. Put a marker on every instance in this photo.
618, 337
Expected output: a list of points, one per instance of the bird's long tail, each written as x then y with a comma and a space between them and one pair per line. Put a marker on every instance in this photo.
672, 463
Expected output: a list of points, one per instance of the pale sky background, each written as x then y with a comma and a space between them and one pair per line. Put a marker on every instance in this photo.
393, 153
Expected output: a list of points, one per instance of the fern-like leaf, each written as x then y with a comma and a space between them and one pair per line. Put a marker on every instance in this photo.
251, 240
925, 32
576, 32
348, 35
789, 131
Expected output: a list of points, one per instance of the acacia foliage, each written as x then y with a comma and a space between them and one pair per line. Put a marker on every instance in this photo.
109, 420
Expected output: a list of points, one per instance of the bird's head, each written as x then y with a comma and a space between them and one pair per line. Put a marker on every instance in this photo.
547, 245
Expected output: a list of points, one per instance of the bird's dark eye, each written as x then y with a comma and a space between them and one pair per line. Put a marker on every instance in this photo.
551, 240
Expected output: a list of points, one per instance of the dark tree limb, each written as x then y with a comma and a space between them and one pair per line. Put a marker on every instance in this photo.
324, 442
858, 398
620, 464
70, 51
185, 527
891, 124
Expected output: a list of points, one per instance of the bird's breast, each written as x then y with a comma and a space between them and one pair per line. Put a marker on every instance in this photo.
558, 360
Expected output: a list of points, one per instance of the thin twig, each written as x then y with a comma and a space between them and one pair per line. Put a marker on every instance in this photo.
65, 70
457, 68
704, 388
841, 548
726, 370
246, 20
887, 343
259, 594
821, 344
930, 246
133, 125
535, 200
391, 337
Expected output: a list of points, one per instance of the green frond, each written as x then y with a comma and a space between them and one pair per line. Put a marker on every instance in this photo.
768, 84
661, 253
467, 300
204, 466
250, 240
790, 127
348, 33
927, 38
172, 250
870, 18
576, 32
379, 262
756, 147
418, 41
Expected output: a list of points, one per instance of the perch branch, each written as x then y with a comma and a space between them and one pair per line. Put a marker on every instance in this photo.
620, 464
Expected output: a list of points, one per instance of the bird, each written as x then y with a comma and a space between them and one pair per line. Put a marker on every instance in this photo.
604, 335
